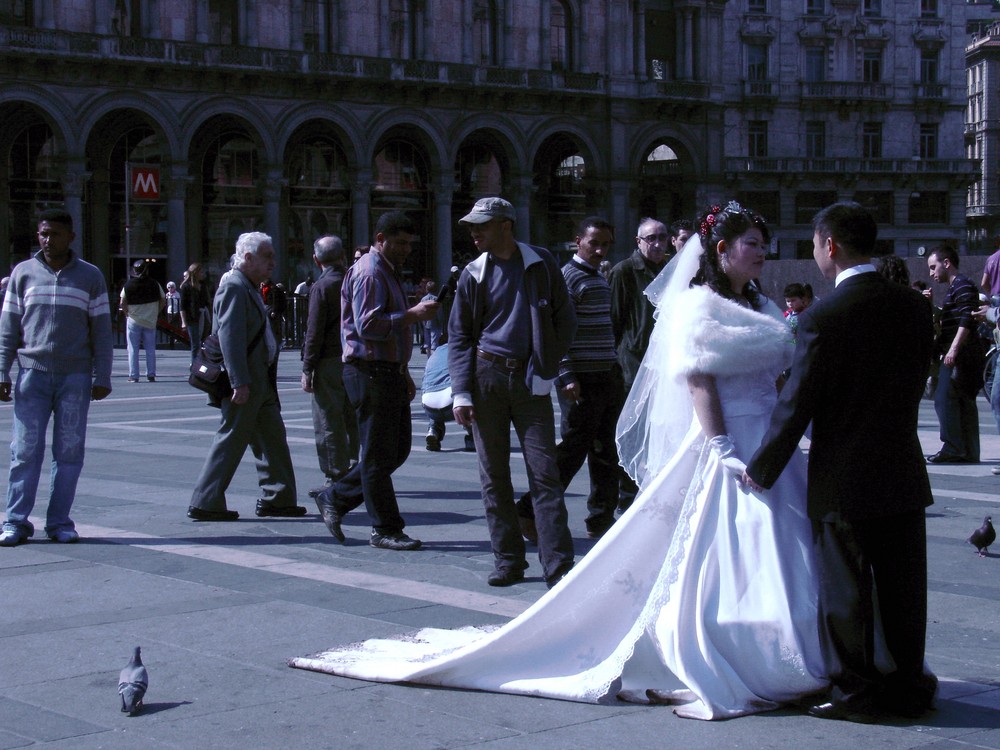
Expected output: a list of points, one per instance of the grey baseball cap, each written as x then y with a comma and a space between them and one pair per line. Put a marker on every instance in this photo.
488, 209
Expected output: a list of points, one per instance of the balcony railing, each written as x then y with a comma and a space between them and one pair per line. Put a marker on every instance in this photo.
845, 91
799, 165
41, 43
930, 91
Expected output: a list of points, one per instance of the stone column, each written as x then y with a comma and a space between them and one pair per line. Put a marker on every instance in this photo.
686, 46
444, 191
520, 196
74, 181
151, 22
639, 35
271, 192
5, 237
619, 201
201, 23
177, 189
361, 195
100, 222
544, 42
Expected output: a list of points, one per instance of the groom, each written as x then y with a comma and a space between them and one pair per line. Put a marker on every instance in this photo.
858, 374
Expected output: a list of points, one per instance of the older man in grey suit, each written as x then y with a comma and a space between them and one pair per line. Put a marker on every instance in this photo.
252, 414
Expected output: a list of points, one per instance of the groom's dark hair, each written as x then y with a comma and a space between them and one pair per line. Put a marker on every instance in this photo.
850, 225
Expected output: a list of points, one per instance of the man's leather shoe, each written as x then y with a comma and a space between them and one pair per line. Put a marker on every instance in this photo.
859, 712
560, 573
505, 577
331, 518
200, 514
946, 458
270, 510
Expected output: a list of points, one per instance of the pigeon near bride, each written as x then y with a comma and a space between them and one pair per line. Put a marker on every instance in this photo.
132, 684
984, 536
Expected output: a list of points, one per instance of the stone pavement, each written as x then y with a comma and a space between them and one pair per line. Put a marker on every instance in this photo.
218, 608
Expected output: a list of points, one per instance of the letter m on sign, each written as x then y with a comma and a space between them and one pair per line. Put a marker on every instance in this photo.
146, 183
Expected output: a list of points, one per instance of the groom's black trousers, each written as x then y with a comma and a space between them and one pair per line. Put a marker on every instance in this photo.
883, 562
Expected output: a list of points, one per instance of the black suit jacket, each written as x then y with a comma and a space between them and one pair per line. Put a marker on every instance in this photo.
858, 375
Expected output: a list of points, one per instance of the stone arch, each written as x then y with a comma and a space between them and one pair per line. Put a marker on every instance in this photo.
665, 167
567, 187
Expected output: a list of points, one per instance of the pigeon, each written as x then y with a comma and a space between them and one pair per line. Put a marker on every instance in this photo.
132, 684
984, 536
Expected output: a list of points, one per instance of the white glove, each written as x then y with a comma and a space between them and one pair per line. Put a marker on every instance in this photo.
723, 446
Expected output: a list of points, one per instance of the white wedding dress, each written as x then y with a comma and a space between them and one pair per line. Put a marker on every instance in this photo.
699, 582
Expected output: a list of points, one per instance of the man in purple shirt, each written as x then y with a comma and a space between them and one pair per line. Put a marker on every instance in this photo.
378, 340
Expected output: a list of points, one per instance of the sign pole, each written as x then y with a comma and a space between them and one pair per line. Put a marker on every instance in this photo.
128, 229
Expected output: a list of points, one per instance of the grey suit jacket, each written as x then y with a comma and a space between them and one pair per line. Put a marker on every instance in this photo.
239, 317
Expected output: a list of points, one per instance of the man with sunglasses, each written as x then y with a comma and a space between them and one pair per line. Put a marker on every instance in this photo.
632, 313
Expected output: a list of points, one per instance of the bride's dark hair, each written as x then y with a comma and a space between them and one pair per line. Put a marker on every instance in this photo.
725, 224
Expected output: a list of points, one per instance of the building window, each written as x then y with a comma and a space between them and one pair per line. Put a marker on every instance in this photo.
402, 29
929, 66
815, 139
757, 138
223, 22
928, 8
929, 207
808, 203
879, 204
871, 66
815, 64
928, 141
756, 62
316, 25
872, 8
485, 49
757, 6
815, 7
871, 140
560, 36
767, 203
17, 13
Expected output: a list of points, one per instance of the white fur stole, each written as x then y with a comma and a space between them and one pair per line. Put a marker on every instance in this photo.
716, 336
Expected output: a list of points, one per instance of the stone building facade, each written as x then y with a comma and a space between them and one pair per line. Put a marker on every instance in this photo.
168, 127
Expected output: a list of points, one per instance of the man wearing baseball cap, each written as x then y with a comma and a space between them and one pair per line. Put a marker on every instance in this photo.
511, 324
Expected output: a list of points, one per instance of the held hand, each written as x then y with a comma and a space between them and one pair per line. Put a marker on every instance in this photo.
464, 415
5, 392
425, 310
241, 394
723, 446
572, 392
97, 393
980, 312
747, 481
949, 359
307, 382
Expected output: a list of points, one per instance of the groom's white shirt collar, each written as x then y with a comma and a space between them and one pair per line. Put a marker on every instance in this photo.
853, 271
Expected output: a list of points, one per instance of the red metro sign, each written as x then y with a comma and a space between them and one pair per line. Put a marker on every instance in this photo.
146, 183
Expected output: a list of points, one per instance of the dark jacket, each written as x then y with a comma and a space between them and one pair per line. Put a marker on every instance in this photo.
323, 324
193, 300
553, 321
631, 312
858, 374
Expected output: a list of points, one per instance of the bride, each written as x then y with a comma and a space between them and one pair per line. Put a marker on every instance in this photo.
701, 582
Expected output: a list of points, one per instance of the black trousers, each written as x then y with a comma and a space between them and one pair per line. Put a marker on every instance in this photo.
876, 559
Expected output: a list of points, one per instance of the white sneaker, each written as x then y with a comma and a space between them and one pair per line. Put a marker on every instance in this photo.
64, 536
11, 535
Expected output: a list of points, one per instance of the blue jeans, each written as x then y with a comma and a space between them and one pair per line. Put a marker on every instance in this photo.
378, 393
502, 398
957, 415
147, 337
37, 395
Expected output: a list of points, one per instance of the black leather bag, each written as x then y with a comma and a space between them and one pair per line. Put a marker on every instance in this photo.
208, 373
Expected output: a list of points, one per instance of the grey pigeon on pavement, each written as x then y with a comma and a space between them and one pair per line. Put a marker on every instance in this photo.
984, 536
132, 684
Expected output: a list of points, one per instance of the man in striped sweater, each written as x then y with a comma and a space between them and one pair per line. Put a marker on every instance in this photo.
57, 323
590, 384
961, 352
